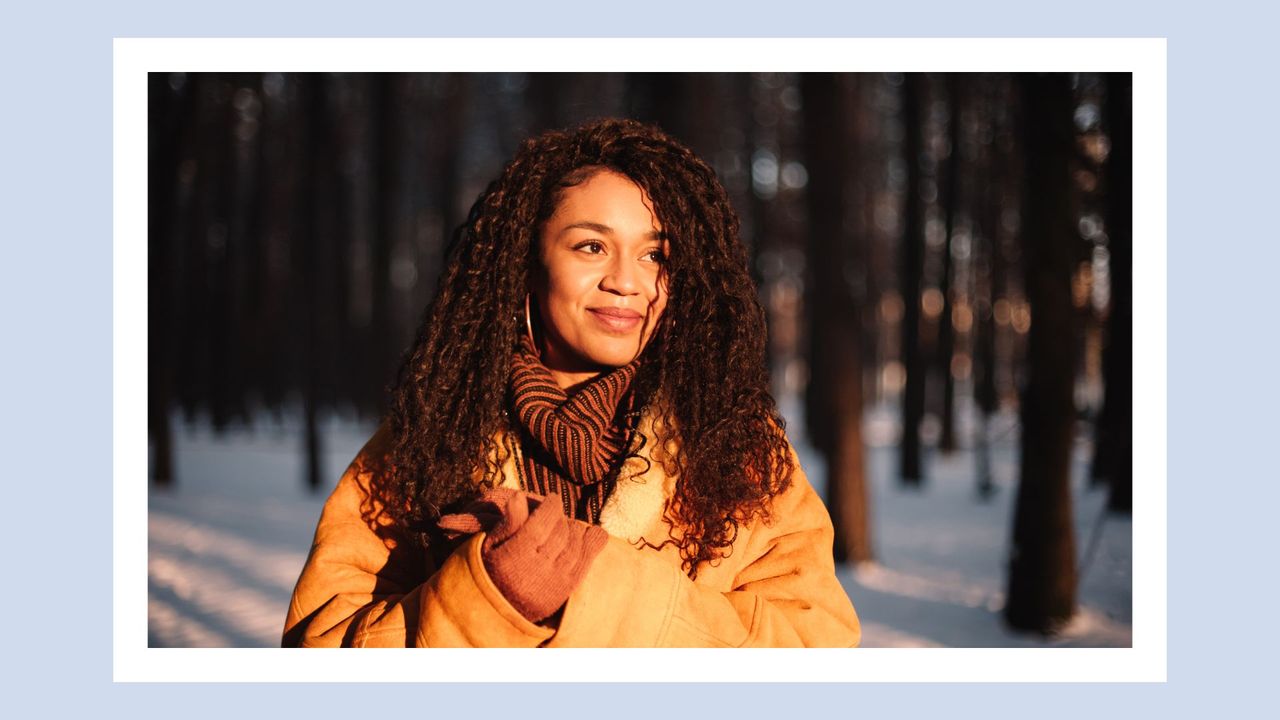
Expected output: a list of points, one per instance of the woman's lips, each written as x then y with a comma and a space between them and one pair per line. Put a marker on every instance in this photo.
616, 319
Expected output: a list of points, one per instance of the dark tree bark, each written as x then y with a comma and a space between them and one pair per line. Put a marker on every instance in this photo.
866, 168
835, 356
254, 320
192, 262
169, 112
307, 248
912, 271
277, 341
1042, 573
946, 327
220, 244
987, 290
1114, 447
242, 298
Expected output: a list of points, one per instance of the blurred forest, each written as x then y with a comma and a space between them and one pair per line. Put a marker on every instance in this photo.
904, 229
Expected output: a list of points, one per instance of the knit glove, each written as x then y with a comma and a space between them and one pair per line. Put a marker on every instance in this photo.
533, 553
482, 514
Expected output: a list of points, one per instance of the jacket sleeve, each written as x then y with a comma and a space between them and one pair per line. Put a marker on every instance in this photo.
785, 595
356, 590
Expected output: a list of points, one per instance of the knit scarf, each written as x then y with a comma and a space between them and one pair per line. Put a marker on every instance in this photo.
571, 446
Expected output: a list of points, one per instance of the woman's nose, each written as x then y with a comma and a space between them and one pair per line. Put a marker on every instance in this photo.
621, 277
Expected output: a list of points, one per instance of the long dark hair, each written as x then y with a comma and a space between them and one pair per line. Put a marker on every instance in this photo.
706, 357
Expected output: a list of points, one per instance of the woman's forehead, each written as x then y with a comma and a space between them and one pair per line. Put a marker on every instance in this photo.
608, 203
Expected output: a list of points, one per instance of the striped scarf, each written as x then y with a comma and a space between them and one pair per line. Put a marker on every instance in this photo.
571, 447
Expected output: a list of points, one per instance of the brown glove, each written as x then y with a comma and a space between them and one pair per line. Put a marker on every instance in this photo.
480, 515
534, 554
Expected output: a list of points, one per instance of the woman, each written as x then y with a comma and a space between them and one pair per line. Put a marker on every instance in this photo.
581, 448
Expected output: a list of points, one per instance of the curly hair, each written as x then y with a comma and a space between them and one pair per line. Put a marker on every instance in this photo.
707, 354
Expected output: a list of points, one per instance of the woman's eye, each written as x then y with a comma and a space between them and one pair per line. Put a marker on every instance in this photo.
590, 246
655, 256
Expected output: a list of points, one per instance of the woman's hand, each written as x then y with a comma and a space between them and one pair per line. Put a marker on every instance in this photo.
534, 554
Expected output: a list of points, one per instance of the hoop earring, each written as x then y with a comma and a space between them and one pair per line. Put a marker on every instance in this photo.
528, 326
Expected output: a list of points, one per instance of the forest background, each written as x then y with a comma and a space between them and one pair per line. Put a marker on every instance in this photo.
904, 230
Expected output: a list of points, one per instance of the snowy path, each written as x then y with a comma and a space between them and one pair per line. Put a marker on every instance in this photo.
226, 546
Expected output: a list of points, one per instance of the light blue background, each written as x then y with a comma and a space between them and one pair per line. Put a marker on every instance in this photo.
55, 370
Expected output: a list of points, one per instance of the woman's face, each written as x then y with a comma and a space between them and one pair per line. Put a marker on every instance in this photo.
601, 288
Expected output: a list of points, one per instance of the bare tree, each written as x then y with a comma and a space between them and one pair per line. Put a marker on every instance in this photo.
170, 112
1042, 573
946, 327
835, 356
911, 275
989, 267
1114, 447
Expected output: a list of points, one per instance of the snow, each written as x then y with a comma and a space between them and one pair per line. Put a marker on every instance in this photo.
939, 575
226, 543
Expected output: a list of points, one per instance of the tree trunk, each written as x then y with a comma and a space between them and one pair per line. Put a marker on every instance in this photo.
1042, 571
168, 116
986, 238
946, 328
1114, 447
221, 244
912, 270
835, 354
313, 183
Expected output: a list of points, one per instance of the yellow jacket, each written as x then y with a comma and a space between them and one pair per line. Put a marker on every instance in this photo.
777, 588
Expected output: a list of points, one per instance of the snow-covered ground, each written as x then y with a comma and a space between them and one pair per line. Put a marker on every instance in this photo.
226, 544
939, 579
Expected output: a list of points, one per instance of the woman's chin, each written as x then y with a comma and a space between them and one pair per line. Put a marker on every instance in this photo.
613, 362
614, 354
594, 352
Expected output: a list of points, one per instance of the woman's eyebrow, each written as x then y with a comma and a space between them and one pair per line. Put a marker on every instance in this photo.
589, 225
605, 229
